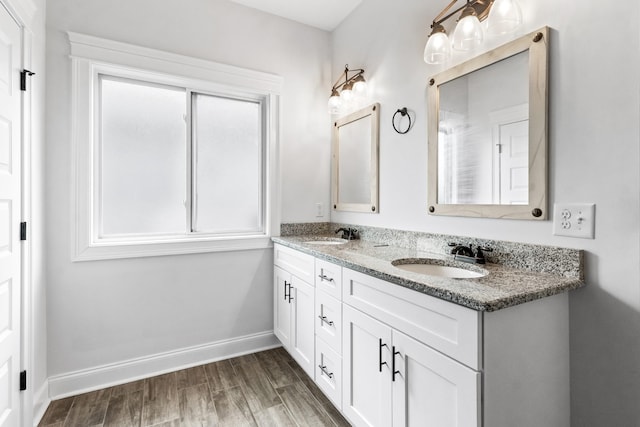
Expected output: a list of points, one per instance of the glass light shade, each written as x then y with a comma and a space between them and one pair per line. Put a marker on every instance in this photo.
346, 95
468, 33
360, 89
505, 17
335, 104
438, 49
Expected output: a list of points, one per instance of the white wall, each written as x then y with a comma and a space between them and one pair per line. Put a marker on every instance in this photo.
110, 311
593, 157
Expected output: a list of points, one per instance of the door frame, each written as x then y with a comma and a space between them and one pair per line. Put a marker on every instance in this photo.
23, 12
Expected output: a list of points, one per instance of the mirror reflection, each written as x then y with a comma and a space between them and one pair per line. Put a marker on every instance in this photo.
483, 134
355, 161
354, 168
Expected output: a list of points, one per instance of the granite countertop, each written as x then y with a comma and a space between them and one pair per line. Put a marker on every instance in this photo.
502, 287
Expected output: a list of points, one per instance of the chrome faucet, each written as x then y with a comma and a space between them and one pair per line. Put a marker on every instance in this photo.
348, 233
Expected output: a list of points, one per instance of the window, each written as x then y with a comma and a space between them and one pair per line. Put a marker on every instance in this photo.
166, 161
146, 155
142, 180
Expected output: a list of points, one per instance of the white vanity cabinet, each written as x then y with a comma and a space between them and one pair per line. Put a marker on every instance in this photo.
294, 299
410, 359
391, 379
389, 356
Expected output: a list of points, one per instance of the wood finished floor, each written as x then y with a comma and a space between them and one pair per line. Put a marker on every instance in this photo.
261, 389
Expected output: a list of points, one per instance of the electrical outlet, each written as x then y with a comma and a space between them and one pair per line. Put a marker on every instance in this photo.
319, 210
574, 220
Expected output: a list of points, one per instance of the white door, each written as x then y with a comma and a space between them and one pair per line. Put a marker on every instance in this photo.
302, 325
510, 130
282, 306
432, 390
366, 387
10, 283
514, 163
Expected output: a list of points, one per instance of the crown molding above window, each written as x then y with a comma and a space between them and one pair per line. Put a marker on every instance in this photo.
114, 52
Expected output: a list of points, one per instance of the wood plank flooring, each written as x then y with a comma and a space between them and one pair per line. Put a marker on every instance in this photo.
262, 389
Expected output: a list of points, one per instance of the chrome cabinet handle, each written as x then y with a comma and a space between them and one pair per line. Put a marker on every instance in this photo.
326, 278
323, 370
323, 319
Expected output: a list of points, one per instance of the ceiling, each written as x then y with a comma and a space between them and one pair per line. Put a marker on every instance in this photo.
323, 14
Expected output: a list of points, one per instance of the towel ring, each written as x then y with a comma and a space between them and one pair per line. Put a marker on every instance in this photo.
403, 112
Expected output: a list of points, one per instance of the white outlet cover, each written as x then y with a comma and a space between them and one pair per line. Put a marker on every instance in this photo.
574, 220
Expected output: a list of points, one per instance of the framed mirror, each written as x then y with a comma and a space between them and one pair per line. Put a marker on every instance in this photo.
355, 161
487, 130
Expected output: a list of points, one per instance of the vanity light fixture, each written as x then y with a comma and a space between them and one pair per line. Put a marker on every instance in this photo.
346, 88
504, 16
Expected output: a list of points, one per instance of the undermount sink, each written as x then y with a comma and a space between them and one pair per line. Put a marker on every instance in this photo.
326, 242
439, 268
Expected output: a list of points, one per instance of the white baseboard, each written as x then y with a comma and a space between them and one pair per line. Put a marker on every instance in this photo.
74, 383
41, 402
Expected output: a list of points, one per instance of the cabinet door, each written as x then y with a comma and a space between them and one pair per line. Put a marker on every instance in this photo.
281, 306
432, 390
366, 388
302, 325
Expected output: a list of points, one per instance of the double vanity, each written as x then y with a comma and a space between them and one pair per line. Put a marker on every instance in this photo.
393, 327
396, 332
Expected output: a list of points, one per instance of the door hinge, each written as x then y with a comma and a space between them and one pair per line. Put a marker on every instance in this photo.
23, 78
23, 231
23, 380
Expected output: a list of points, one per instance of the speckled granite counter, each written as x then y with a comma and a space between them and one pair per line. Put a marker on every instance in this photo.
503, 286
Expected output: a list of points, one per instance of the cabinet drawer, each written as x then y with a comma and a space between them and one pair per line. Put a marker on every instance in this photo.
329, 372
329, 278
295, 262
329, 320
449, 328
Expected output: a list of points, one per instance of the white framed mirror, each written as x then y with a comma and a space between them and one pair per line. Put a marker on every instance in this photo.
487, 131
356, 140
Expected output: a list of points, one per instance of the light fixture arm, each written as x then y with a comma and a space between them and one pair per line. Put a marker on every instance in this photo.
439, 18
480, 6
345, 75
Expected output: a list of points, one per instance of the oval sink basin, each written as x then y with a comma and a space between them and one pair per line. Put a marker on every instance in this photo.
434, 267
326, 242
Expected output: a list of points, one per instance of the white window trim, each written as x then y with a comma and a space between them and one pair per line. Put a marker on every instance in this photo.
91, 56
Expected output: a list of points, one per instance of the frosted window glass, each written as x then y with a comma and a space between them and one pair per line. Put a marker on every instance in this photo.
143, 159
228, 164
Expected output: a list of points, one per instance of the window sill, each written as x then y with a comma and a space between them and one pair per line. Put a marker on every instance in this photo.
135, 249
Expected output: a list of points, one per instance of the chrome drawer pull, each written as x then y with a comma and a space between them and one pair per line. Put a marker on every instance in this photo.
323, 319
325, 278
323, 370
